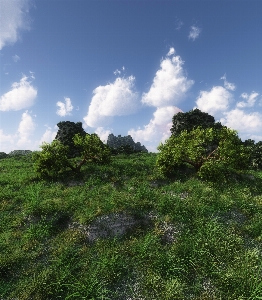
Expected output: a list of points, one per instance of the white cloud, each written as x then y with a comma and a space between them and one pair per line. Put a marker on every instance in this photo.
64, 108
194, 32
242, 122
103, 133
22, 95
6, 142
215, 101
169, 84
117, 72
48, 136
250, 100
114, 99
16, 58
25, 130
171, 51
158, 129
14, 17
228, 85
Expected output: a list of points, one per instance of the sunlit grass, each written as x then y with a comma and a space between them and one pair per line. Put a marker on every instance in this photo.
204, 241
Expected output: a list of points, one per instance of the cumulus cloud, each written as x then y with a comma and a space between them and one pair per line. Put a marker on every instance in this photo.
103, 133
6, 142
25, 130
169, 84
242, 122
215, 101
22, 95
158, 129
14, 18
194, 32
15, 58
228, 85
64, 108
114, 99
48, 136
250, 100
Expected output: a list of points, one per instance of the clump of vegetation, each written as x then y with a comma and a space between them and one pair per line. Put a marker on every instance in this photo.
214, 153
255, 149
3, 155
54, 159
191, 120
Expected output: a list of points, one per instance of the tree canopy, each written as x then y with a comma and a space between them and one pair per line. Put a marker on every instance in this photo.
212, 152
192, 119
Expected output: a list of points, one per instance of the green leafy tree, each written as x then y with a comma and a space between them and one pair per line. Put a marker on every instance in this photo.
192, 119
67, 130
54, 158
212, 152
255, 149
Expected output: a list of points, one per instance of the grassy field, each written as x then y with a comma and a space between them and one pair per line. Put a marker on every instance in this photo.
196, 240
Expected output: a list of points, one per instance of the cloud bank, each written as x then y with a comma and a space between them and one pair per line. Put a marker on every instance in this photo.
158, 129
114, 99
14, 18
220, 103
169, 84
22, 95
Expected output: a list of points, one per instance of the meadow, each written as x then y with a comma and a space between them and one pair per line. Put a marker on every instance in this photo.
198, 239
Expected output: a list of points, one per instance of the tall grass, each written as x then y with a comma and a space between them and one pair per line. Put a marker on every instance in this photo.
203, 240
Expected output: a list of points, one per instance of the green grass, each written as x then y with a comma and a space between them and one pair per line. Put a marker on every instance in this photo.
215, 251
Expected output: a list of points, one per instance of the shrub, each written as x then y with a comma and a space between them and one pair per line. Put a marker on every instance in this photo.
3, 155
210, 151
54, 158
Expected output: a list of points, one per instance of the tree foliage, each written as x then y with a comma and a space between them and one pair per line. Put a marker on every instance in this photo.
255, 149
212, 152
67, 130
54, 158
192, 119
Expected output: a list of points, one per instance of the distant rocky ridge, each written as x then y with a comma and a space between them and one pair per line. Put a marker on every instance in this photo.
14, 153
116, 142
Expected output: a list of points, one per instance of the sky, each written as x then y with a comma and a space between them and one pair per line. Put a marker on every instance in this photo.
127, 67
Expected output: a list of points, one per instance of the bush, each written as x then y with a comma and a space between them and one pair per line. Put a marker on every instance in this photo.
54, 158
3, 155
210, 151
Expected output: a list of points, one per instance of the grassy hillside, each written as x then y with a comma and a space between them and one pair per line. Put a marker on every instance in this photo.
188, 240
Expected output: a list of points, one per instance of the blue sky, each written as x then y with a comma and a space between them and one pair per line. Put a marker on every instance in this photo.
127, 66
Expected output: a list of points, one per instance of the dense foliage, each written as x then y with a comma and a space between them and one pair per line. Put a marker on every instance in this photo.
192, 119
67, 130
3, 155
54, 158
214, 153
255, 149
